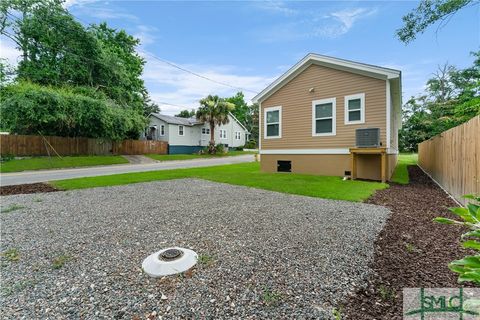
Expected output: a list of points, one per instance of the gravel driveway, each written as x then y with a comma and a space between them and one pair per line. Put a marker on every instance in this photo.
263, 254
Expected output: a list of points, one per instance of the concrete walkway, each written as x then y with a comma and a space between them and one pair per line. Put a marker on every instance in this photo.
139, 159
49, 175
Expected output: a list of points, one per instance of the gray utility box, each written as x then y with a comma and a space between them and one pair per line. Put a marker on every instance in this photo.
367, 138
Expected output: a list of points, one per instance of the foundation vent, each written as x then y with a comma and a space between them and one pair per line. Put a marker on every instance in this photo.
284, 166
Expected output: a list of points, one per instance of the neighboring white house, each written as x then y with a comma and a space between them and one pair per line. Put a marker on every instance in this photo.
188, 135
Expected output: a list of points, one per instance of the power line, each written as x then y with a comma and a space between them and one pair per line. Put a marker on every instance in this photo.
147, 53
172, 64
182, 68
171, 104
194, 73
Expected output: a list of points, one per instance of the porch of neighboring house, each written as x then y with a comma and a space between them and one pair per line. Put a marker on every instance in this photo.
151, 133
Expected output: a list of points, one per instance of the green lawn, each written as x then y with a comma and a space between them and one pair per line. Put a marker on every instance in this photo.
245, 174
170, 157
38, 163
400, 175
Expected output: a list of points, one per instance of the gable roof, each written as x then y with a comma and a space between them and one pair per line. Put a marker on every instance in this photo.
188, 121
331, 62
176, 120
238, 121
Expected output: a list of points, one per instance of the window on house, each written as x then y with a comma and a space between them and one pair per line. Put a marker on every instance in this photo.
162, 130
181, 131
355, 108
205, 130
238, 135
323, 117
273, 122
223, 134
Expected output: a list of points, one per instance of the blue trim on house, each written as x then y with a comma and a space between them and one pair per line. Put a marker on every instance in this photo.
183, 149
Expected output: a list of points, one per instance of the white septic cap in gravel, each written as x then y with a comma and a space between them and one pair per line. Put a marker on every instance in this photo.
169, 261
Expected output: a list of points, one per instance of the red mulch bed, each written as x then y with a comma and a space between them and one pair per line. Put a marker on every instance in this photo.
26, 188
411, 250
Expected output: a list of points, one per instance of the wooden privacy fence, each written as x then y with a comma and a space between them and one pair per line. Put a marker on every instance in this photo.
452, 158
21, 145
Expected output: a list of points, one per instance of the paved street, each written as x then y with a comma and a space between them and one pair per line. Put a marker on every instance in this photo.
49, 175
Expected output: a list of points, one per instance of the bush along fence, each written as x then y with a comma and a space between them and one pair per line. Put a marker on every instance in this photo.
23, 145
452, 158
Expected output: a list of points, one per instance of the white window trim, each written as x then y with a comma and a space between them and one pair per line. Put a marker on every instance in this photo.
333, 101
360, 96
205, 129
162, 129
183, 131
279, 109
223, 136
239, 134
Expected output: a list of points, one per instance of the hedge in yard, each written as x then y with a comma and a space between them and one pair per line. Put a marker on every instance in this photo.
31, 109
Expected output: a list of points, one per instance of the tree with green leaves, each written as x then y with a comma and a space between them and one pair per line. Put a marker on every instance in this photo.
214, 111
246, 114
33, 109
59, 52
7, 72
186, 114
149, 106
427, 13
451, 98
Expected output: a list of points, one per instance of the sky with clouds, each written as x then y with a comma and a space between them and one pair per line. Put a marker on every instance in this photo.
249, 44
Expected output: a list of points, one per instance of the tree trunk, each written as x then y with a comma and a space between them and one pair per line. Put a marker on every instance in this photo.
211, 145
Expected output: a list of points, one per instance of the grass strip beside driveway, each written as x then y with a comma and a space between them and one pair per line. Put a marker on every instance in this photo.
400, 175
244, 174
171, 157
39, 163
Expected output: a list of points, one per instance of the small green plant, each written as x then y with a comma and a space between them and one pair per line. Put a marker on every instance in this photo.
11, 208
468, 268
60, 261
206, 259
11, 255
251, 144
386, 293
220, 149
270, 297
38, 199
6, 157
16, 287
410, 247
337, 314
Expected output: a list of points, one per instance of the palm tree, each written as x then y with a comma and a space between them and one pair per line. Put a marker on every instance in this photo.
214, 111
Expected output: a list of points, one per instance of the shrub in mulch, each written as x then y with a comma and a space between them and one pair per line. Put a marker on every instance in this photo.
411, 251
26, 188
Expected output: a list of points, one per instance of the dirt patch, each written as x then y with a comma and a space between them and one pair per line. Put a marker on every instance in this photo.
411, 250
26, 188
139, 159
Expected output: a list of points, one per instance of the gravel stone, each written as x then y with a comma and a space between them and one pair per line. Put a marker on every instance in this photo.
263, 254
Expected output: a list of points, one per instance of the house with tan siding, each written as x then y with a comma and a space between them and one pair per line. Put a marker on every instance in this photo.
330, 116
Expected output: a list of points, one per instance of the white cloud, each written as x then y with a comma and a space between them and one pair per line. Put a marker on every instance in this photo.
72, 3
315, 24
108, 13
174, 86
348, 17
146, 34
276, 7
9, 51
343, 21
